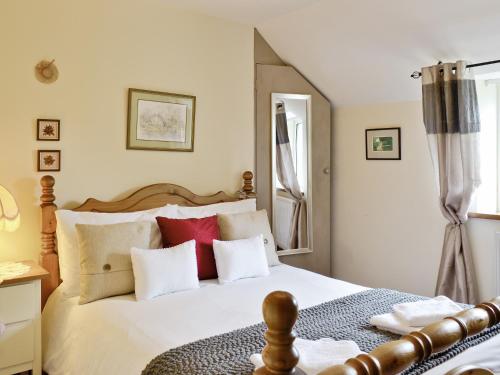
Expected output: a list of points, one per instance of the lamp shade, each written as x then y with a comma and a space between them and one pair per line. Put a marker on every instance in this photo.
9, 212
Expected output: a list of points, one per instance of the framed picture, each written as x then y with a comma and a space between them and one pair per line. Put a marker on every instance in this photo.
383, 144
48, 130
49, 160
160, 121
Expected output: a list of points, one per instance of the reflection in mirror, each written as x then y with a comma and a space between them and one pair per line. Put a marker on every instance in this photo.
290, 168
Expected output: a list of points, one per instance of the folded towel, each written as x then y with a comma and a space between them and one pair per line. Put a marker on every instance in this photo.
422, 313
3, 328
315, 356
392, 323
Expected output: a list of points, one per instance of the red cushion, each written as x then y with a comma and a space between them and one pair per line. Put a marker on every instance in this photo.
204, 231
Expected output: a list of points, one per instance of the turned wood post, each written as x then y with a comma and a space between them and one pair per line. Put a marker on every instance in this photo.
280, 357
48, 254
395, 356
247, 191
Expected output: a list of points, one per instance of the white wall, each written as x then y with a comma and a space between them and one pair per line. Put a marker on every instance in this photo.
387, 226
101, 49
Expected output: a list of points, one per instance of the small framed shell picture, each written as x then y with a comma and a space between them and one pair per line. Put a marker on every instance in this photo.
48, 130
49, 160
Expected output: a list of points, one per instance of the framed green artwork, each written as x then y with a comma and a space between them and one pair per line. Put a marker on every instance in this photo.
383, 144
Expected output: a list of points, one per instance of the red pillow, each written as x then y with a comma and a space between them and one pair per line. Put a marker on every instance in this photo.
204, 231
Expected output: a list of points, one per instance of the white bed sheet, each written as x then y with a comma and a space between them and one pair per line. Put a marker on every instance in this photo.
121, 336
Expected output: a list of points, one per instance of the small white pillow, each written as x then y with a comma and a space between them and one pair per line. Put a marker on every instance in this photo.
163, 271
240, 259
198, 212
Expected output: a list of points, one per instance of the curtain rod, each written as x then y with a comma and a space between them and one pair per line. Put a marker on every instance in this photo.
417, 74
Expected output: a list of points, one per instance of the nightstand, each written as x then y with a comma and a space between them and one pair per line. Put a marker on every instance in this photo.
20, 311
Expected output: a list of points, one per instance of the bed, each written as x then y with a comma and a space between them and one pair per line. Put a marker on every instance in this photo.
118, 335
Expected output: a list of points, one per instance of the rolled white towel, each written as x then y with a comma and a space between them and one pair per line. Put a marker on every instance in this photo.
392, 323
3, 328
315, 356
422, 313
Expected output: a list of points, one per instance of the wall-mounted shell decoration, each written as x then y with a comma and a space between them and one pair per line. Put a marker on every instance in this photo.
46, 71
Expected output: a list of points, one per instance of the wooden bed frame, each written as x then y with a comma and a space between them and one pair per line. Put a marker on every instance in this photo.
152, 196
279, 308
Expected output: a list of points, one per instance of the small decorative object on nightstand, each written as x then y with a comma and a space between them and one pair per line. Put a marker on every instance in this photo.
20, 320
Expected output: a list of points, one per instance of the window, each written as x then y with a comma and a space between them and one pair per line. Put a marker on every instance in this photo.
487, 197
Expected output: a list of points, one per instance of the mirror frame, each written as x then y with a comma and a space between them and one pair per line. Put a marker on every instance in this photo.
308, 98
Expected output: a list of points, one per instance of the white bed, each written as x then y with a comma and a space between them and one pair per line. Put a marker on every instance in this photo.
121, 336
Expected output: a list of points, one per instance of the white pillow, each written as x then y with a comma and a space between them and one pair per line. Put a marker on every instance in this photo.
67, 242
163, 271
240, 259
198, 212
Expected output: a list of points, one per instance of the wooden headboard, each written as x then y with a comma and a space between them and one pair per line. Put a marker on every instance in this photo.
152, 196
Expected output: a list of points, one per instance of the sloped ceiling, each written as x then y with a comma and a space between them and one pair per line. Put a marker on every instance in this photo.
363, 51
359, 52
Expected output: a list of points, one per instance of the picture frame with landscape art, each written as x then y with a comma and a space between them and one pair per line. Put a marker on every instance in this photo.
160, 121
383, 143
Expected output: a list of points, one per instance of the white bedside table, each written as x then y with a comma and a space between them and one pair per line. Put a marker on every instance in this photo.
20, 311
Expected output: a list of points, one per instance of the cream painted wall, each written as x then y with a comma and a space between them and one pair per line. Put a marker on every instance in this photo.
102, 48
387, 226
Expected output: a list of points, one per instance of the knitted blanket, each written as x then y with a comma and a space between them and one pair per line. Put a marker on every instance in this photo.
344, 318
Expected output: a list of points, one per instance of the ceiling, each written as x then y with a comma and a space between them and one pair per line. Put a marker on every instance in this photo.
363, 51
251, 12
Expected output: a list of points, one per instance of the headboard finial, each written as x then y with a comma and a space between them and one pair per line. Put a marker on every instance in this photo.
247, 191
47, 183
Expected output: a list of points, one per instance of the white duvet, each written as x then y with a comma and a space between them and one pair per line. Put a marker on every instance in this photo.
121, 336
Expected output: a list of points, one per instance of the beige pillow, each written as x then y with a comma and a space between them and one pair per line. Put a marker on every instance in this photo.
105, 262
246, 225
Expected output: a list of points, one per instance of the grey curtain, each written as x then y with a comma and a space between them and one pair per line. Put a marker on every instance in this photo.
451, 118
288, 179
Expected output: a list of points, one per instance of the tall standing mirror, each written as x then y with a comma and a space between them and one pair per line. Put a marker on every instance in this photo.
291, 177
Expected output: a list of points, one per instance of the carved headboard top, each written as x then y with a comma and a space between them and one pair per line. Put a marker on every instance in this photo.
152, 196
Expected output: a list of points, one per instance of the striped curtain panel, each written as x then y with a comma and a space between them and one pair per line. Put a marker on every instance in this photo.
288, 179
451, 118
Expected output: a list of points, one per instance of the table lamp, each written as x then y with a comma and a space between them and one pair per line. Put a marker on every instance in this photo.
9, 212
9, 222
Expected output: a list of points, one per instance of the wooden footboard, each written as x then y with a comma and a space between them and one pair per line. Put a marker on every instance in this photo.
280, 357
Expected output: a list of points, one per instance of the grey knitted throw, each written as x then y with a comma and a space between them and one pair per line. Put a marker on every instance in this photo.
345, 318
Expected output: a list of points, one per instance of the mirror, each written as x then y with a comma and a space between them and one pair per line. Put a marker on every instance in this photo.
291, 193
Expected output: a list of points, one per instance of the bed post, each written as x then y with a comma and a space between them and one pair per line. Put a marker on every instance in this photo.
280, 357
48, 254
247, 189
